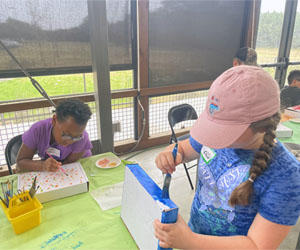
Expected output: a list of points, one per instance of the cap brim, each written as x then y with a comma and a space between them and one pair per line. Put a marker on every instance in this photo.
215, 135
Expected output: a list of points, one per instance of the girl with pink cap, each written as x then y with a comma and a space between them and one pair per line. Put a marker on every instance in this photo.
248, 194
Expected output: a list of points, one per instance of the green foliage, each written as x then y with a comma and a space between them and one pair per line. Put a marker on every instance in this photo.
269, 31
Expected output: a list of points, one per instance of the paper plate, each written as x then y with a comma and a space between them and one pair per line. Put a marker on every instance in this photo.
109, 161
296, 120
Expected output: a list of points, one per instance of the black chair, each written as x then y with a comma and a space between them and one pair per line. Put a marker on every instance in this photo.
177, 114
11, 151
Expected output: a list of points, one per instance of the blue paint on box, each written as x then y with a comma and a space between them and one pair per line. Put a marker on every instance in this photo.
155, 191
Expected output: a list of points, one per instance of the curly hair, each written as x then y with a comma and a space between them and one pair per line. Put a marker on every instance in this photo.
73, 108
242, 194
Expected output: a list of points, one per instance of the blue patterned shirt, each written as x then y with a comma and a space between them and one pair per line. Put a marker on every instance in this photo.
276, 192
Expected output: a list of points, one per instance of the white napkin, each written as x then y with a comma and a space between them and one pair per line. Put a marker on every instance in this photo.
108, 197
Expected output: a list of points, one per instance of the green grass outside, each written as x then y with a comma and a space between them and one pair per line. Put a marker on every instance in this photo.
21, 88
269, 55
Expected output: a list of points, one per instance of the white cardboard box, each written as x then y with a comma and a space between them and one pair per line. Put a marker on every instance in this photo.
293, 111
142, 204
283, 131
56, 185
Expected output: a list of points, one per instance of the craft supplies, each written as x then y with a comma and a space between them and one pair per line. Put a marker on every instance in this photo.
54, 185
7, 191
23, 212
21, 209
108, 161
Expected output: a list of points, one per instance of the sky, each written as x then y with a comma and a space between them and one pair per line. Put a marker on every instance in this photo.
273, 5
48, 10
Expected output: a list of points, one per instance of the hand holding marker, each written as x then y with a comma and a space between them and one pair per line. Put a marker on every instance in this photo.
167, 181
60, 167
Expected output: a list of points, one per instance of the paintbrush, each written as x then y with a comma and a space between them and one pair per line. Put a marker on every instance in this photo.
168, 177
60, 167
3, 201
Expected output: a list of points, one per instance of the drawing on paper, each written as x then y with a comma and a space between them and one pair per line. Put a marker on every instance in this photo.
53, 180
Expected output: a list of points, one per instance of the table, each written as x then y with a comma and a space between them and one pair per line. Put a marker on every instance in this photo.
294, 139
296, 132
75, 222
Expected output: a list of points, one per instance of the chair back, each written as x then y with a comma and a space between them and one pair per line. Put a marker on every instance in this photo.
11, 151
180, 113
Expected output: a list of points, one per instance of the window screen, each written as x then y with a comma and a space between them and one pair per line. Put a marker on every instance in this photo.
54, 34
193, 41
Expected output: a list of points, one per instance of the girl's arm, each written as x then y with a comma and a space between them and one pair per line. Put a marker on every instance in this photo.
185, 153
25, 161
263, 234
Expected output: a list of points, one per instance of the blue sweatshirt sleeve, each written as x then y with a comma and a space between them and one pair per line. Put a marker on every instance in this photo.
196, 145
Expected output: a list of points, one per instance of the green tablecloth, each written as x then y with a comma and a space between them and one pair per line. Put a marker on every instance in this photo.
296, 132
75, 222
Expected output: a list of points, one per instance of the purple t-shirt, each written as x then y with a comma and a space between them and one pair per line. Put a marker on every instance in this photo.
39, 135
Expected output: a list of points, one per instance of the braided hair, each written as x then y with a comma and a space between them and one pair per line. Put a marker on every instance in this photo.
242, 194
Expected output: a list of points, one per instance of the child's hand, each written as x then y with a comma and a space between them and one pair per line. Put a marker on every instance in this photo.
175, 235
165, 161
51, 165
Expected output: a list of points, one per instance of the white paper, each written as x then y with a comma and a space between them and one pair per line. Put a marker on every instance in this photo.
108, 197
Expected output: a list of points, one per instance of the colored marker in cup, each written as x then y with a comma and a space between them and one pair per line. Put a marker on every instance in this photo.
59, 168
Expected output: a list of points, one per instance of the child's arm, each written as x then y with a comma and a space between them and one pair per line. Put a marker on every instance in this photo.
185, 153
25, 162
263, 234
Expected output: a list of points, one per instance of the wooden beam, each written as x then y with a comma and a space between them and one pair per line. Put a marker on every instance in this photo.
41, 103
124, 93
172, 89
143, 64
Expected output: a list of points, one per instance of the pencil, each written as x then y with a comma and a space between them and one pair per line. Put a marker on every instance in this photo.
60, 168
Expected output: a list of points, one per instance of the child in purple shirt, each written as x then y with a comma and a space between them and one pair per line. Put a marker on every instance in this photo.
58, 140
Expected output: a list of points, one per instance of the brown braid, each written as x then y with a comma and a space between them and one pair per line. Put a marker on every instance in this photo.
242, 194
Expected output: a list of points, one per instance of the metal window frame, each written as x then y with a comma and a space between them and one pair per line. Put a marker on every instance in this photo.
285, 43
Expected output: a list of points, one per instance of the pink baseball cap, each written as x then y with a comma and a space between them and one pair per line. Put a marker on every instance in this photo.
238, 97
